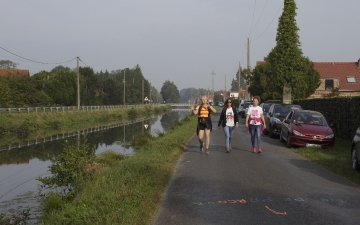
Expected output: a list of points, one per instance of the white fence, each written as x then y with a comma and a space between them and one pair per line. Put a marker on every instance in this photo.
64, 108
65, 135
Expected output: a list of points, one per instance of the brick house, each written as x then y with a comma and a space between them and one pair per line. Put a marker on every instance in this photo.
14, 72
341, 77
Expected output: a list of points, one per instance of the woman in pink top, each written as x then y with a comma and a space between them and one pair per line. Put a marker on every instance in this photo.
256, 123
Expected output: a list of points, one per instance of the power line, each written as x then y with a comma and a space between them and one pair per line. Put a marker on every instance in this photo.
252, 18
83, 62
259, 17
269, 24
34, 60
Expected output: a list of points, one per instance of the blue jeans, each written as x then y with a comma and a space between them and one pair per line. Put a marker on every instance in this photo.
228, 131
255, 130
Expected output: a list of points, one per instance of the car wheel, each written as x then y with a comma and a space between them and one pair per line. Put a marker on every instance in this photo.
271, 133
281, 138
355, 162
288, 141
266, 130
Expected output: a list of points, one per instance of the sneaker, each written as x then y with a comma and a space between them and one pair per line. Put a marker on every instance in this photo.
259, 150
228, 150
207, 152
253, 150
201, 148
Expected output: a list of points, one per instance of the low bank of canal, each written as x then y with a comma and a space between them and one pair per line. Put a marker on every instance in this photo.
20, 166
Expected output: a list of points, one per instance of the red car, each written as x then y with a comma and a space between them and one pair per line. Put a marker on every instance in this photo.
306, 128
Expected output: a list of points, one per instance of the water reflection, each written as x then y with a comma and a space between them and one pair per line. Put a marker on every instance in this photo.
21, 163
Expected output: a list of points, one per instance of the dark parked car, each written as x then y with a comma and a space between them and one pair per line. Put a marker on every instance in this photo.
273, 119
265, 107
245, 108
305, 128
355, 150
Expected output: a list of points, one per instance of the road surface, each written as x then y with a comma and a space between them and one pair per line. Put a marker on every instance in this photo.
275, 187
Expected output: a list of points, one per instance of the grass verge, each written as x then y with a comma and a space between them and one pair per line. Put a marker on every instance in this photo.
24, 123
336, 159
129, 190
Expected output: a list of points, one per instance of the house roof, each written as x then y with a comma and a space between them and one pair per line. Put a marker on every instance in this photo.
341, 71
338, 70
15, 72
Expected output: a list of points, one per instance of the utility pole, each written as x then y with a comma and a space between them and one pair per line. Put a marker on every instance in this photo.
142, 96
149, 92
248, 53
239, 82
213, 74
225, 89
124, 86
248, 65
78, 82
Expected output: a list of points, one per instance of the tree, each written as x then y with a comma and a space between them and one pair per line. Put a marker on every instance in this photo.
7, 64
5, 93
61, 68
259, 80
170, 92
286, 63
235, 82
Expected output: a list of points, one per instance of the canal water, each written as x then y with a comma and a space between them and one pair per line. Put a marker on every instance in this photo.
21, 163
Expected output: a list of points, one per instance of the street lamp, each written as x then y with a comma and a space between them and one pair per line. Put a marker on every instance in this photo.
124, 87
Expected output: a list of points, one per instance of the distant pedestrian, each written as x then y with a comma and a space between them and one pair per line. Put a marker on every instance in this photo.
229, 119
255, 123
204, 124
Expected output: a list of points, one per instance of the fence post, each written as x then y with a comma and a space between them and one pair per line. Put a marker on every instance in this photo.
28, 110
9, 110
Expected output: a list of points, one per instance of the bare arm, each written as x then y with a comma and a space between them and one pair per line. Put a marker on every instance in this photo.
247, 120
263, 119
194, 111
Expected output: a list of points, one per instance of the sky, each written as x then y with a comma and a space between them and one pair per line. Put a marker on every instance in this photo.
183, 41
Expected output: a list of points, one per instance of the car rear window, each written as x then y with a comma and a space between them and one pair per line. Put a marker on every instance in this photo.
310, 118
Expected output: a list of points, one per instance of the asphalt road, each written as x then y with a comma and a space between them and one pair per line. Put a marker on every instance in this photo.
275, 187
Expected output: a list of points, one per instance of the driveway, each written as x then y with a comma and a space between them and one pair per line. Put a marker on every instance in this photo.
275, 187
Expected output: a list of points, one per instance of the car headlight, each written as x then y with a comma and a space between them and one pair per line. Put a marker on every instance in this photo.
330, 136
276, 120
298, 133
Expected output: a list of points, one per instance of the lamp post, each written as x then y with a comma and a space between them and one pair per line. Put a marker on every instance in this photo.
150, 94
124, 86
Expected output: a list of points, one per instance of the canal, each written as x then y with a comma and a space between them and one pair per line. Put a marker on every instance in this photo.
21, 163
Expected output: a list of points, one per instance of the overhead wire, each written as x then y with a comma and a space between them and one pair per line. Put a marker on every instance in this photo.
259, 17
269, 24
252, 20
34, 60
83, 62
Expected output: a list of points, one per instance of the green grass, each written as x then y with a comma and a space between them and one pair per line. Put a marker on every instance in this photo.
57, 121
336, 159
129, 190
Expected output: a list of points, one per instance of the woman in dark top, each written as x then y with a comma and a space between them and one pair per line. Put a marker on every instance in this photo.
229, 119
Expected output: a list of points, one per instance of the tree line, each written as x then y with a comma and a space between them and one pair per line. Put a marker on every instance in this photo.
59, 87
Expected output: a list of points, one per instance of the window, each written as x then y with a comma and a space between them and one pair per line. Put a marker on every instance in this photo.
329, 84
351, 79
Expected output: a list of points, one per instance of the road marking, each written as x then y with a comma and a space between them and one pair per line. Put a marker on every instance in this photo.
278, 213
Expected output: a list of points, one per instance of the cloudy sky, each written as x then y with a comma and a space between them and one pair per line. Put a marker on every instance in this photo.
183, 41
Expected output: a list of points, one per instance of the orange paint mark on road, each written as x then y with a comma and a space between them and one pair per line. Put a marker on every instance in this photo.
278, 213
